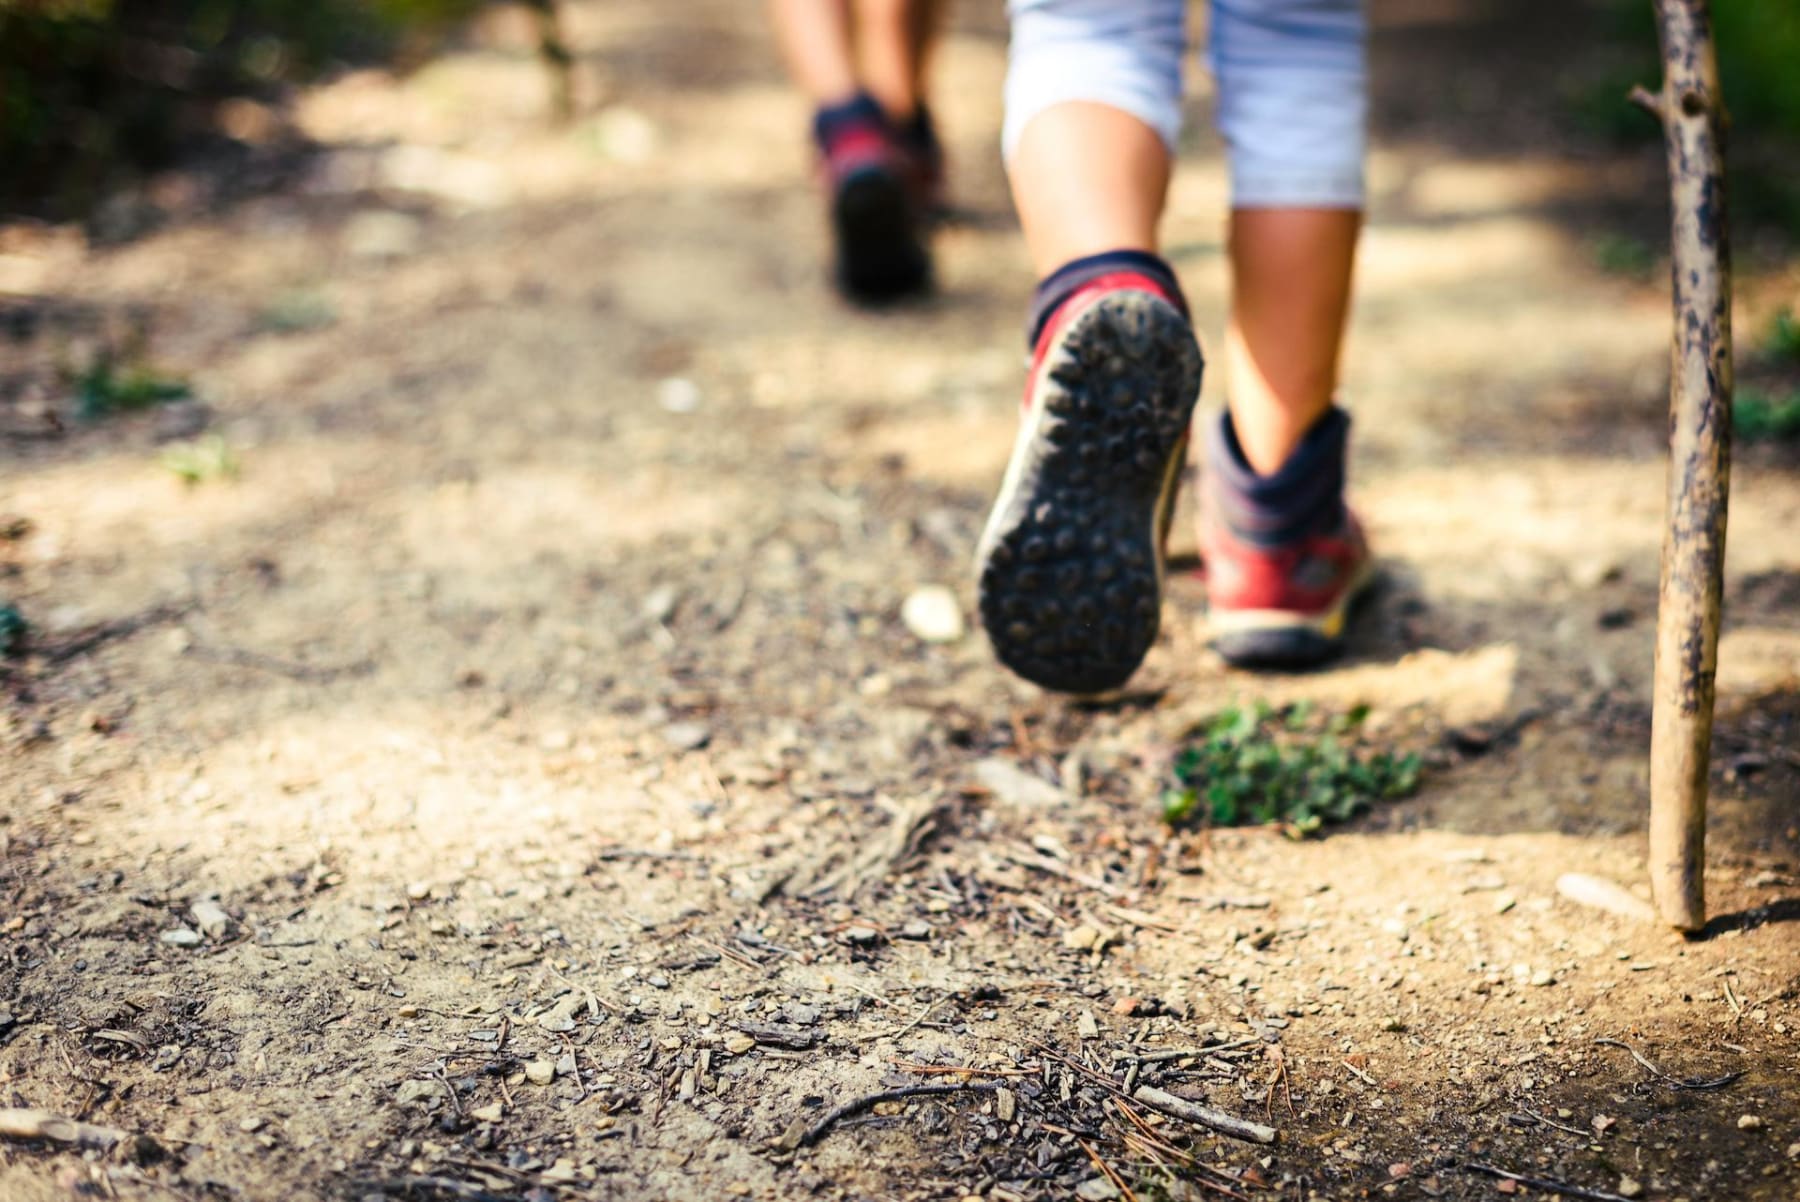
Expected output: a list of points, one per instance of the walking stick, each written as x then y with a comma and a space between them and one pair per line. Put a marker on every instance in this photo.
1693, 555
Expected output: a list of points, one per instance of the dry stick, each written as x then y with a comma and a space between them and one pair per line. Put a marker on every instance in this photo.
1546, 1184
47, 1125
850, 1109
1106, 1169
1050, 867
1204, 1116
1699, 483
1672, 1082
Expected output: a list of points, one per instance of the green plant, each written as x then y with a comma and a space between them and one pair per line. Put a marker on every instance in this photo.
1783, 341
1621, 254
1259, 765
107, 387
209, 458
1759, 417
12, 630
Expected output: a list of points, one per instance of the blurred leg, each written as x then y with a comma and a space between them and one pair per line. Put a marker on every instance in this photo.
814, 36
893, 50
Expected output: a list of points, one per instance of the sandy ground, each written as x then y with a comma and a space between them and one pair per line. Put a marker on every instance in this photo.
581, 819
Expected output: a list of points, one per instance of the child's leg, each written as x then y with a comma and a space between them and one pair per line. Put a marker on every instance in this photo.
1284, 557
814, 36
1071, 559
1291, 85
893, 47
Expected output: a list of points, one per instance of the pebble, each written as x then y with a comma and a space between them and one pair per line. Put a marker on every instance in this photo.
1750, 1122
916, 929
540, 1072
250, 1125
1015, 786
625, 135
1542, 978
1793, 1152
181, 937
210, 917
678, 395
1096, 1189
1086, 1026
419, 1091
488, 1114
382, 234
933, 614
686, 736
1602, 894
1080, 938
862, 935
737, 1045
1006, 1104
1630, 1187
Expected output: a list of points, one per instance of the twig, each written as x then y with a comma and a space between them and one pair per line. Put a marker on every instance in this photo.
632, 853
1359, 1074
1204, 1116
1553, 1123
921, 1017
427, 1186
1647, 100
959, 1070
1670, 1081
856, 1106
47, 1125
239, 657
1107, 1169
1050, 867
1546, 1184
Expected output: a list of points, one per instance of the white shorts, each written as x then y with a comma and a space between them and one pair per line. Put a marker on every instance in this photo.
1291, 75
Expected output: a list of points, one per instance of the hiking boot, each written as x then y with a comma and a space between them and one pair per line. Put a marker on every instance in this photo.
876, 203
1284, 559
1071, 561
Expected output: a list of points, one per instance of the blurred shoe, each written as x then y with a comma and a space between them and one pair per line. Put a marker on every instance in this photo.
1284, 558
1071, 561
877, 212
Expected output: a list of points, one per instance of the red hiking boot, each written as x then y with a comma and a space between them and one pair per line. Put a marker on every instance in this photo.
1282, 606
1071, 561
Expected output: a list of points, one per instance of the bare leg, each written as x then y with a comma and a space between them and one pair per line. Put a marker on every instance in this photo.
1290, 297
1088, 178
814, 36
893, 48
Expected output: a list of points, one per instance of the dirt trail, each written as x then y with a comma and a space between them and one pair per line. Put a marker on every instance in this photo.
537, 704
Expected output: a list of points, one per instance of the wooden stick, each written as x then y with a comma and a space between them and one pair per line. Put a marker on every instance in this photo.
1204, 1116
1699, 481
54, 1128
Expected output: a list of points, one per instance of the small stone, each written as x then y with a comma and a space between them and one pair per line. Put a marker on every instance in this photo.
1630, 1187
625, 135
250, 1125
1015, 786
181, 937
1081, 938
565, 1065
1006, 1104
1602, 894
933, 614
556, 740
429, 1092
678, 395
686, 736
378, 234
660, 602
210, 917
862, 935
1086, 1025
1125, 1007
737, 1045
488, 1114
1542, 978
540, 1072
916, 929
1793, 1152
419, 891
1096, 1189
1750, 1122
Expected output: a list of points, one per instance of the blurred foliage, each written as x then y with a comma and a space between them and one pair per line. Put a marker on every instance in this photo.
1758, 44
13, 628
109, 386
1758, 416
93, 90
1294, 766
209, 458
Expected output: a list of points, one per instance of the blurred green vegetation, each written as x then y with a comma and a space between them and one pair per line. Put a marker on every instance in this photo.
1759, 66
93, 91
